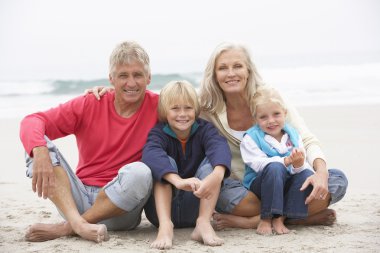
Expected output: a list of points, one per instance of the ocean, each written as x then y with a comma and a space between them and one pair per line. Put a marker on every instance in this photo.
304, 86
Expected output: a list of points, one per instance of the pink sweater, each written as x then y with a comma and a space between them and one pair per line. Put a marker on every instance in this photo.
105, 141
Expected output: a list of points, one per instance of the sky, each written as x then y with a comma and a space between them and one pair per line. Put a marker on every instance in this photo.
72, 39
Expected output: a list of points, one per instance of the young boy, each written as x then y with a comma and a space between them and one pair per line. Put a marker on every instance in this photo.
275, 164
189, 160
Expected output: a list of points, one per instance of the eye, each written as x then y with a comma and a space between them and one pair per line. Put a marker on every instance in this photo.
238, 66
222, 67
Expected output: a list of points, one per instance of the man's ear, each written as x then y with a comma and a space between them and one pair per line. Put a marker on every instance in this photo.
149, 79
111, 79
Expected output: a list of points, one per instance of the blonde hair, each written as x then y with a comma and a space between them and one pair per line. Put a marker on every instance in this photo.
126, 53
212, 98
174, 92
266, 95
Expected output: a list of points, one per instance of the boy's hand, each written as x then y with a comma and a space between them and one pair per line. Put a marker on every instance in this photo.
211, 184
189, 184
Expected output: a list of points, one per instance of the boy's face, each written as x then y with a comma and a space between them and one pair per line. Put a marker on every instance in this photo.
181, 117
271, 119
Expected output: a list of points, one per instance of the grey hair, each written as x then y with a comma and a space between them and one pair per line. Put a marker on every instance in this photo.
126, 53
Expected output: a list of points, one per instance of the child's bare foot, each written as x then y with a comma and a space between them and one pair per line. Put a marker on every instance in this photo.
265, 227
40, 232
164, 238
279, 227
203, 232
222, 221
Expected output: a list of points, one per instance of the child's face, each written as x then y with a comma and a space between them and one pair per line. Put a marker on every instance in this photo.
181, 117
271, 119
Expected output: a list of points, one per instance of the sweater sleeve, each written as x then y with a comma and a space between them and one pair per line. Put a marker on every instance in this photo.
54, 123
155, 155
217, 149
311, 143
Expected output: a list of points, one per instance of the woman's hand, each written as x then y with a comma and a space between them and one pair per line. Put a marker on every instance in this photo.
97, 91
319, 181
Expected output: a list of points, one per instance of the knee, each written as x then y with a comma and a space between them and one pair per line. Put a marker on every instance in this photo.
275, 168
137, 176
338, 184
204, 170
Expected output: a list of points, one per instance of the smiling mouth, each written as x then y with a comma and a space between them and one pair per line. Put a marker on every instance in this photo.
131, 91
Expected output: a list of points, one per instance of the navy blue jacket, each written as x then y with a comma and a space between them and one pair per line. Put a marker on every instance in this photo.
204, 140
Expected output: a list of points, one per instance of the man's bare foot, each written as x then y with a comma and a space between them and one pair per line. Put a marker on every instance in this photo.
203, 232
279, 227
325, 217
222, 221
164, 238
92, 232
264, 227
40, 232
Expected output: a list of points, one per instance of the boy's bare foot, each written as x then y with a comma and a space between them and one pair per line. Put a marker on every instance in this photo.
279, 227
164, 238
325, 217
264, 227
222, 221
203, 232
40, 232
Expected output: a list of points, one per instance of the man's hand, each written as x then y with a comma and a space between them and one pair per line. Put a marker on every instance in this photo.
43, 175
319, 181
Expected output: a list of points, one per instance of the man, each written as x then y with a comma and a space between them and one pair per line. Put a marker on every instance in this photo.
110, 186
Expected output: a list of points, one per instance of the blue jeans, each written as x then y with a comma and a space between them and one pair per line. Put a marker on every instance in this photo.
280, 193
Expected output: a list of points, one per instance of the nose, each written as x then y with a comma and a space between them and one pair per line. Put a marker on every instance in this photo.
130, 82
231, 72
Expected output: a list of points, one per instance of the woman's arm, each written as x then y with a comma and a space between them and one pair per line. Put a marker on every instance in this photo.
97, 91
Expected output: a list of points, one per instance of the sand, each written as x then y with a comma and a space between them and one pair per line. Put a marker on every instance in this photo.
349, 135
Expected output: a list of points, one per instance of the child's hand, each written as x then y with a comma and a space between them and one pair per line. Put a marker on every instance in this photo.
189, 184
211, 184
297, 157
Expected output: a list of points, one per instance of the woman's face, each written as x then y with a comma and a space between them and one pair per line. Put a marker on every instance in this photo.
231, 71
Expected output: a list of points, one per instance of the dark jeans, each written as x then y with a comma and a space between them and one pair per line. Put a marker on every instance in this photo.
280, 193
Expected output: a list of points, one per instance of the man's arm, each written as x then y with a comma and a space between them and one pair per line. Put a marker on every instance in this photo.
43, 175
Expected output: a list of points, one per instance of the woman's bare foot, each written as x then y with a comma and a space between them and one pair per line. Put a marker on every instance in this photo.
325, 217
264, 227
203, 232
222, 221
164, 238
40, 232
279, 227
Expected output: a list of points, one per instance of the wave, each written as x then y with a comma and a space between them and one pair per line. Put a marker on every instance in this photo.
67, 87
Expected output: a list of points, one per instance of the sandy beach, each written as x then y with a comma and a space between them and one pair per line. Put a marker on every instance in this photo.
349, 135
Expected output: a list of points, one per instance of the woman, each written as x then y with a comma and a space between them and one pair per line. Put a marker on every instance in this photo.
226, 96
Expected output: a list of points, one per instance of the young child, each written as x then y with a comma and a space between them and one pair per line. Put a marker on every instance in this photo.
275, 164
189, 160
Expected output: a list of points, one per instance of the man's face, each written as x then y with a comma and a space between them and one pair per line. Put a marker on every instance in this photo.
130, 82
